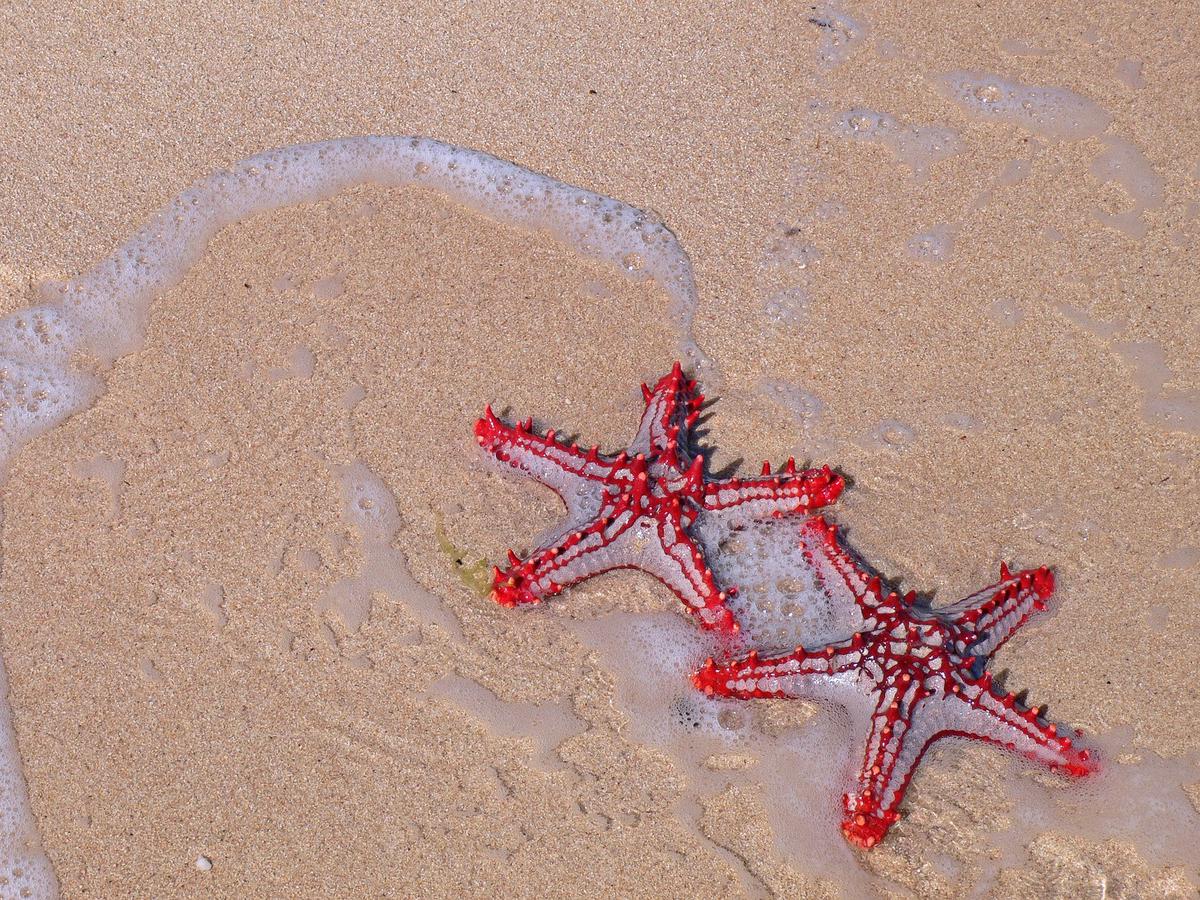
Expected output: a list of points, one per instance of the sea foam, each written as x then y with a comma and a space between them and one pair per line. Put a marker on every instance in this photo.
53, 356
1050, 112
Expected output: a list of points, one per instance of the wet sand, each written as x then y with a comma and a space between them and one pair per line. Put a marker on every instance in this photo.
183, 682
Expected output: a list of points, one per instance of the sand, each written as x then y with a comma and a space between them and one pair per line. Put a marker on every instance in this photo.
182, 683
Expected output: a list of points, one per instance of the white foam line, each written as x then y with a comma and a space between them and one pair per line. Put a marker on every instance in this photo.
52, 356
25, 868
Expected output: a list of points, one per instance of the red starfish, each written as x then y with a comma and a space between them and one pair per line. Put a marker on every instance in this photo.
923, 669
635, 510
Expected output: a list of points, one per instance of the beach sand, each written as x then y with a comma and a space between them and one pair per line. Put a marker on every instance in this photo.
188, 680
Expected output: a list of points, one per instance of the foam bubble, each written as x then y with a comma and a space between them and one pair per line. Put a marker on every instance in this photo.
891, 435
805, 406
791, 250
806, 410
780, 602
1047, 111
961, 421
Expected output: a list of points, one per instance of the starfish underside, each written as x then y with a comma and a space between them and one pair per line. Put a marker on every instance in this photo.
637, 509
923, 670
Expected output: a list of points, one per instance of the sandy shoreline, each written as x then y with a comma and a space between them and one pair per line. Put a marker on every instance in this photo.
182, 682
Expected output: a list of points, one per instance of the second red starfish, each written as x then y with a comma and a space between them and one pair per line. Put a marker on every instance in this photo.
636, 510
922, 671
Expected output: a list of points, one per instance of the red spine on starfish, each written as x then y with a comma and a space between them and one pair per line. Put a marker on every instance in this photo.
636, 509
923, 668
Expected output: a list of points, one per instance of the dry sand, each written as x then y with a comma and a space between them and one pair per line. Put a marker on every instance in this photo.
180, 684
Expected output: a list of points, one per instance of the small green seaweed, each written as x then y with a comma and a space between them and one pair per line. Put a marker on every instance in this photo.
477, 575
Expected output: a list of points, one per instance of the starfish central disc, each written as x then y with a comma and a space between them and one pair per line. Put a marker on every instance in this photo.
636, 510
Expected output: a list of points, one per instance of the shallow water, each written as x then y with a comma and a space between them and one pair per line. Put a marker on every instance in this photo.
958, 269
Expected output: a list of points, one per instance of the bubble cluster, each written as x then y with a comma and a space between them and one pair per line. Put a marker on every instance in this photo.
916, 146
1050, 112
787, 307
788, 258
933, 246
841, 33
779, 604
805, 406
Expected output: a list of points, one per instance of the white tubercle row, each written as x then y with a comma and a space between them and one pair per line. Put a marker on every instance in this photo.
52, 356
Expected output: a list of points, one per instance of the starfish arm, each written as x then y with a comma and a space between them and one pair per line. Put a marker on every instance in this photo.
901, 730
836, 571
672, 408
740, 501
575, 556
675, 560
903, 726
555, 464
989, 617
975, 711
796, 675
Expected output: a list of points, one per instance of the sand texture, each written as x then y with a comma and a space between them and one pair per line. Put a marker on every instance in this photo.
989, 321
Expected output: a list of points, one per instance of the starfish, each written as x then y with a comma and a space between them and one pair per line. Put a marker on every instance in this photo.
923, 670
636, 510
